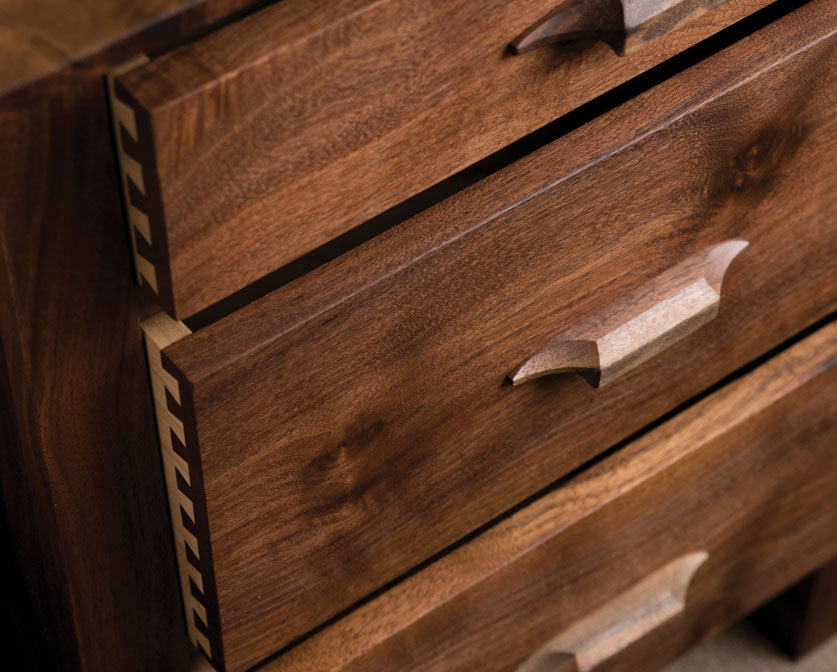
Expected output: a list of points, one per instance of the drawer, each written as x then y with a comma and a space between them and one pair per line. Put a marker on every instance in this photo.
264, 140
355, 422
677, 535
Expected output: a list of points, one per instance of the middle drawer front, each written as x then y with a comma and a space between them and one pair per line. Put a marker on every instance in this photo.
629, 563
355, 422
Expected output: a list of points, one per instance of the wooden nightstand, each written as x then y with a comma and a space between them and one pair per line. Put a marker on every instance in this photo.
425, 336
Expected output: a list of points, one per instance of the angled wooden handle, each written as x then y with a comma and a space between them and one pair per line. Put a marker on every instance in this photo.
623, 24
607, 344
625, 619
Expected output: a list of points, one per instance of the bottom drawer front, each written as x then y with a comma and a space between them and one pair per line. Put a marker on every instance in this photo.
685, 530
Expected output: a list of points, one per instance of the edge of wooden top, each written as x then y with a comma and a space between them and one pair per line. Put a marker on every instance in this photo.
405, 604
269, 318
39, 45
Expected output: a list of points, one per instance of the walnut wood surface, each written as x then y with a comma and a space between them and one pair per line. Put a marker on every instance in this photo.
747, 474
356, 421
608, 344
272, 136
80, 474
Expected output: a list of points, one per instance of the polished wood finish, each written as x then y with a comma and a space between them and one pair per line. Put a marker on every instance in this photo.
613, 341
626, 25
80, 474
742, 475
272, 136
356, 421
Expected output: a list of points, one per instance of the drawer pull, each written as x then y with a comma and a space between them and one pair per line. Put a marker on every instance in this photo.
611, 342
622, 24
625, 619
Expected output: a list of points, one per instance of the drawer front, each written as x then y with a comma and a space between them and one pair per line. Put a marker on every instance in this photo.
277, 133
680, 533
354, 423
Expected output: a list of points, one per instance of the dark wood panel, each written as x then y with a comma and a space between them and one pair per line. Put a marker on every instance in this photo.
357, 421
80, 471
746, 475
268, 138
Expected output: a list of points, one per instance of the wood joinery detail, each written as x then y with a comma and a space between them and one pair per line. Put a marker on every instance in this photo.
139, 187
181, 489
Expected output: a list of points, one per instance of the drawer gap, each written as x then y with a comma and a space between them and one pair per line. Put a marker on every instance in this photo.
519, 149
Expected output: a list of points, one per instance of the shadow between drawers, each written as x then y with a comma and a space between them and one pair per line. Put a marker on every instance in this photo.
491, 164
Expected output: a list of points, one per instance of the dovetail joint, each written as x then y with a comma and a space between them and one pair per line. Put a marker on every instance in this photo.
130, 171
161, 331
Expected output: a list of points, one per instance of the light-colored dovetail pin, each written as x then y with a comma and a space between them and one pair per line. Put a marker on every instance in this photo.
161, 331
123, 117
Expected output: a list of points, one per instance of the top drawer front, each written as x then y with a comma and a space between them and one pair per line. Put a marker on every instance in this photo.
268, 138
356, 421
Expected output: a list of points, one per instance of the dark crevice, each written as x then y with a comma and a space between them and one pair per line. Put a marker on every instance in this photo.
491, 164
219, 24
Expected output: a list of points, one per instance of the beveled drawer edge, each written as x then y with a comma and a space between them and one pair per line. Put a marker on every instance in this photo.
181, 469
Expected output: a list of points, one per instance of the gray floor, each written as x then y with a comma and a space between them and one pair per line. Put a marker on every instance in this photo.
743, 649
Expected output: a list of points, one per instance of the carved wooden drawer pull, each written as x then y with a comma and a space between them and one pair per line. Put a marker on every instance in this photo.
612, 341
625, 619
623, 24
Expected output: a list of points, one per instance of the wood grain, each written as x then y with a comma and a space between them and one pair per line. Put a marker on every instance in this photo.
366, 401
744, 474
80, 473
608, 344
274, 135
